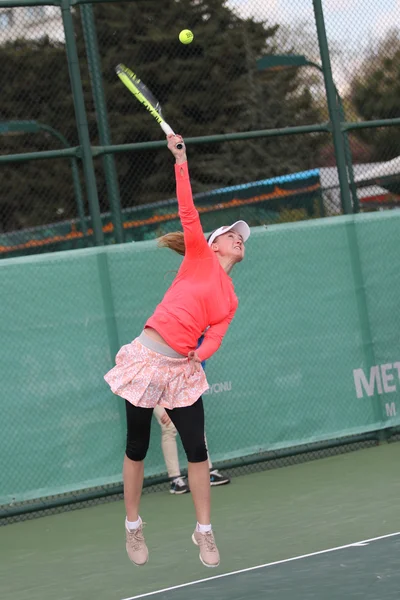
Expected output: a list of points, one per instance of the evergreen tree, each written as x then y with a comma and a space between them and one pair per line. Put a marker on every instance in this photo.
34, 85
375, 94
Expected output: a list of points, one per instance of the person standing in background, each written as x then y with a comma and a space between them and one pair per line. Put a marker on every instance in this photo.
179, 484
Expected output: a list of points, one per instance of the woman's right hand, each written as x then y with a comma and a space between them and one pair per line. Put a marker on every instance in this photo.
194, 362
180, 154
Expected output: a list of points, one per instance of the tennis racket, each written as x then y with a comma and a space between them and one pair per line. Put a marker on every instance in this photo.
144, 96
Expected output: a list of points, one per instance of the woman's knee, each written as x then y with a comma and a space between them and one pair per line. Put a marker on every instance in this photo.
136, 449
196, 452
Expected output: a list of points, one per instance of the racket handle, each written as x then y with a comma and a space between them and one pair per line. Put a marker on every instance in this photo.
169, 131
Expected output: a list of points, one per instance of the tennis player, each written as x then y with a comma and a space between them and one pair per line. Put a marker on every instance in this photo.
163, 365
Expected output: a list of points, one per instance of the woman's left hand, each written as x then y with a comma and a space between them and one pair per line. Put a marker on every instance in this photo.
179, 153
194, 362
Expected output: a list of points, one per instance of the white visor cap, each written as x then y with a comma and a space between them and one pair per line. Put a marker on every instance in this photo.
240, 226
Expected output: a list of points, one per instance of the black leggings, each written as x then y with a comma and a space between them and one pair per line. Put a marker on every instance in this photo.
188, 420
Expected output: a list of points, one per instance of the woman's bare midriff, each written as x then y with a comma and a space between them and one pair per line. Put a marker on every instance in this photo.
154, 335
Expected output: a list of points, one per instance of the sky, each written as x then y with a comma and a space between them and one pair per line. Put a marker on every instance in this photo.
351, 25
357, 18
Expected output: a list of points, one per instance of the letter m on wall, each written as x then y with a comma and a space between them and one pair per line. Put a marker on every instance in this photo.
367, 385
390, 409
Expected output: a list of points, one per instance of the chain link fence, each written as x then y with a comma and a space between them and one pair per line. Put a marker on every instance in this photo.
251, 67
82, 163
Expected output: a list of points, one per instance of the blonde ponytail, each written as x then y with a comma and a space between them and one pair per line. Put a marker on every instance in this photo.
174, 241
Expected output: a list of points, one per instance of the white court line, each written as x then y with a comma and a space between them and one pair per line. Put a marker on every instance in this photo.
278, 562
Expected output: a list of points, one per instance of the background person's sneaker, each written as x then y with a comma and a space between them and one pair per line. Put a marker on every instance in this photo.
209, 554
136, 546
217, 478
179, 486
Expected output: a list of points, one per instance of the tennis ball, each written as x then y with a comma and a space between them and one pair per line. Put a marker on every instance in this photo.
186, 36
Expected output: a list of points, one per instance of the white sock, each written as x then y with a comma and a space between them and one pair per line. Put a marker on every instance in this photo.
203, 528
133, 524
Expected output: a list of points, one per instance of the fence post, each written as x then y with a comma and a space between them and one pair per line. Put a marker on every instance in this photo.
110, 318
363, 313
336, 115
349, 161
334, 108
81, 119
92, 51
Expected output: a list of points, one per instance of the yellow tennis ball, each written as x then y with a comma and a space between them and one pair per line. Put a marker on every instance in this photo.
186, 36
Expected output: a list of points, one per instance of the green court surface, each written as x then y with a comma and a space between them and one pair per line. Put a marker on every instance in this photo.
276, 516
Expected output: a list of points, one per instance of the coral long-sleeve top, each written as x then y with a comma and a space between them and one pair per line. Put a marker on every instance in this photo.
202, 294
